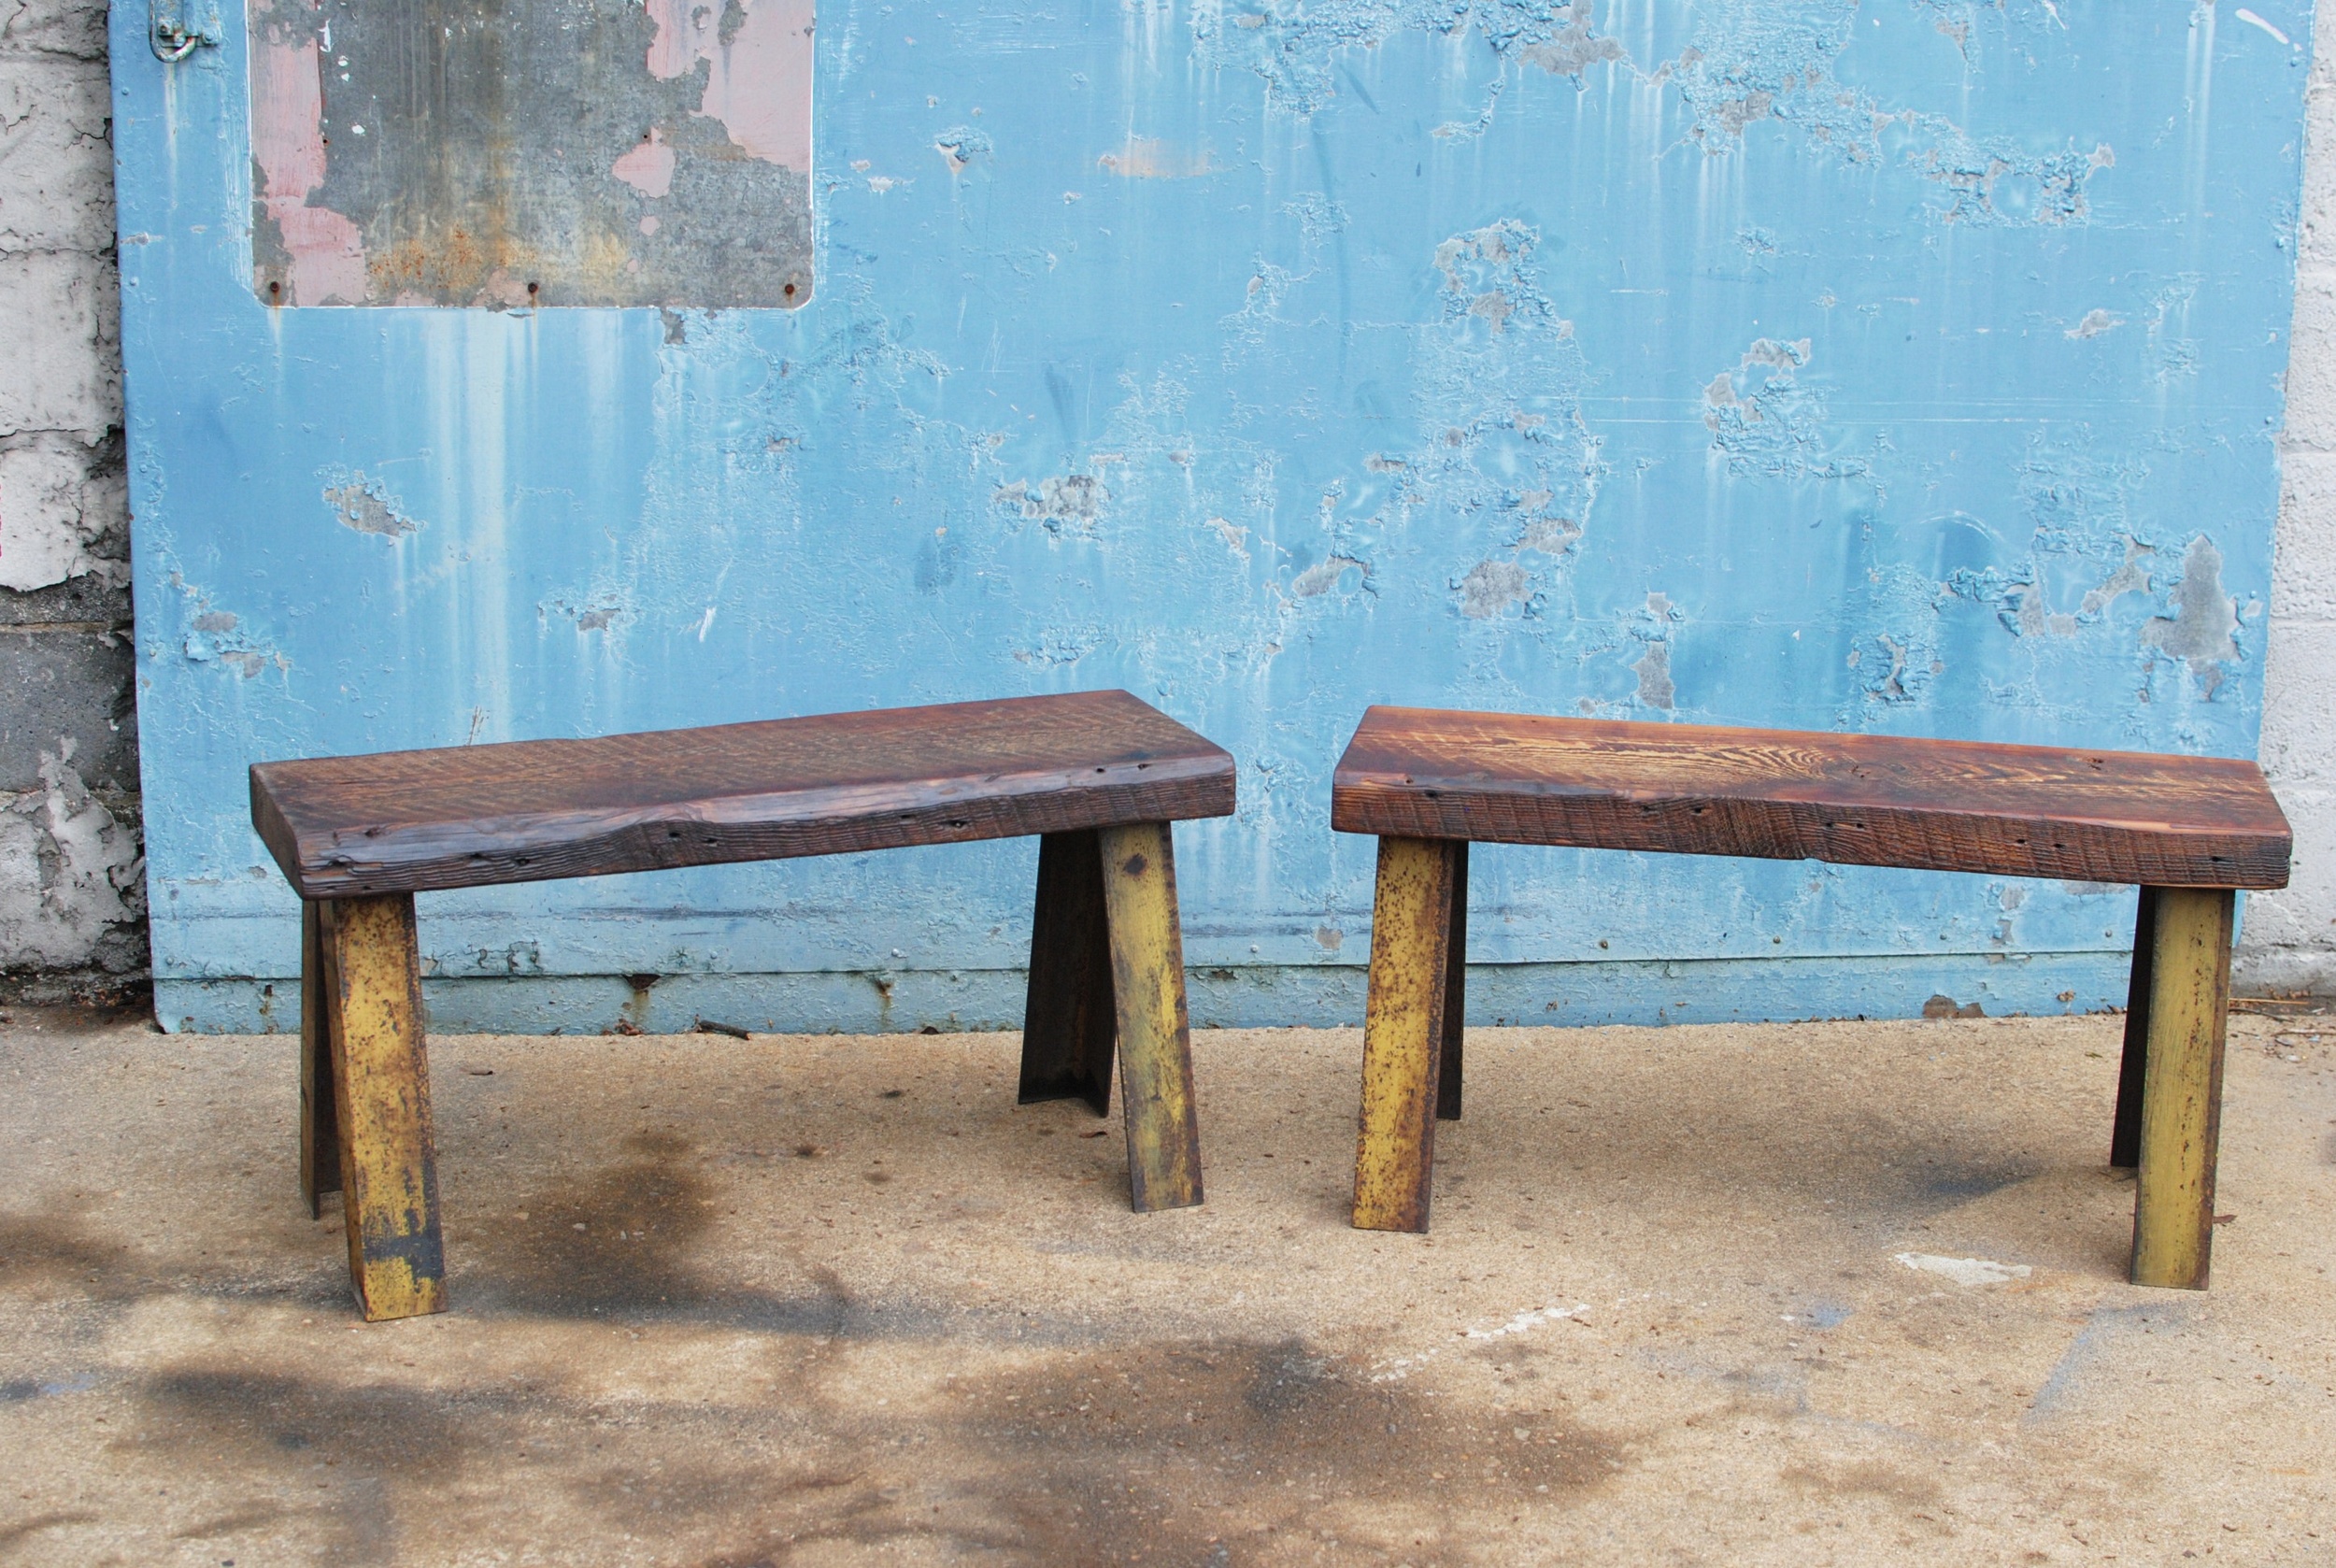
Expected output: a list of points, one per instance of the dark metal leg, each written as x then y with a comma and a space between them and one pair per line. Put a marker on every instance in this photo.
1448, 1093
2125, 1137
1068, 1022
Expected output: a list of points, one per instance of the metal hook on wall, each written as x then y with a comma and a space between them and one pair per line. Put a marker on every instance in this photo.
174, 34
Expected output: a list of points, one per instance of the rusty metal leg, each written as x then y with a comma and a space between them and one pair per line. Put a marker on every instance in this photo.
1156, 1098
1068, 1025
389, 1168
2189, 1004
1447, 1090
1404, 1019
319, 1109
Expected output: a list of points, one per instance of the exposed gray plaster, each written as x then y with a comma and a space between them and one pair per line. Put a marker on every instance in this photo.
1324, 576
2133, 577
1073, 501
2204, 629
1654, 674
1491, 587
364, 504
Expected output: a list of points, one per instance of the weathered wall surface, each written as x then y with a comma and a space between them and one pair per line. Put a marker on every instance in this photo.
2289, 943
1909, 366
72, 882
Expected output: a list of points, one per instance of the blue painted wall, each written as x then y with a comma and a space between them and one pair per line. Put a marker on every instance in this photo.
1908, 367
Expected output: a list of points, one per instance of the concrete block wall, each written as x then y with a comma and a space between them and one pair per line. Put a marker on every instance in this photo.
72, 881
71, 875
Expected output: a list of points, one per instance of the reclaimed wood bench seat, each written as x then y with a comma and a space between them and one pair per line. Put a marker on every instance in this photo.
2187, 830
1099, 775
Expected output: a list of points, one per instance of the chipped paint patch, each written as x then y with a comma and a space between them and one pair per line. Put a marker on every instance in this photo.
364, 504
1653, 665
1324, 576
1059, 501
1492, 586
2204, 629
649, 169
1768, 424
757, 55
600, 610
1150, 158
959, 145
1296, 49
305, 253
221, 639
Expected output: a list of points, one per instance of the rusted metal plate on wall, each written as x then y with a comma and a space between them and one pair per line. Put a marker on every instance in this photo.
517, 152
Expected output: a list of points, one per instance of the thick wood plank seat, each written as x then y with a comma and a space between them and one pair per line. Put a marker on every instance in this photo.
462, 817
1097, 776
1855, 799
2187, 830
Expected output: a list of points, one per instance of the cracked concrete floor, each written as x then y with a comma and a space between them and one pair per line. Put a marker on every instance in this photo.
825, 1299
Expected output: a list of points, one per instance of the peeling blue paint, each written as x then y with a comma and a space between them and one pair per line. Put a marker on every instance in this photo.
1907, 367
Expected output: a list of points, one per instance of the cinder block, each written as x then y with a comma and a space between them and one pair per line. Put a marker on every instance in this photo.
2317, 230
58, 518
2298, 743
61, 315
2311, 363
56, 156
57, 684
75, 28
2302, 914
87, 600
2304, 566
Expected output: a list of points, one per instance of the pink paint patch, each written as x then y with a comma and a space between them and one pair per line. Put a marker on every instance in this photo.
648, 167
758, 85
328, 255
675, 48
650, 224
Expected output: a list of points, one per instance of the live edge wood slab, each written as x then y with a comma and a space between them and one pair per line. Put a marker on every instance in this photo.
1099, 775
2187, 830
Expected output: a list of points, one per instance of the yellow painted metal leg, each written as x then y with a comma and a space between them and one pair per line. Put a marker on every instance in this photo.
389, 1169
2189, 999
1155, 1030
320, 1110
1403, 1029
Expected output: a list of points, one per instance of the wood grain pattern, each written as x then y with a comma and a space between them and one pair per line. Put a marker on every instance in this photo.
2189, 1000
1411, 923
1069, 1026
389, 1162
533, 810
1854, 800
1156, 1099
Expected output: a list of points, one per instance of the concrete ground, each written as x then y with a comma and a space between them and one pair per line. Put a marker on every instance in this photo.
806, 1301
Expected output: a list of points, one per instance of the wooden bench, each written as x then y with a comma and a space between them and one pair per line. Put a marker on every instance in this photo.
2187, 830
1098, 774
